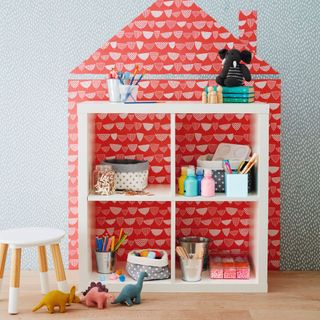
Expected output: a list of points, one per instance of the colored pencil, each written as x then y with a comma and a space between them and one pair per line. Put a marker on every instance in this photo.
142, 75
134, 74
104, 246
120, 242
112, 243
120, 235
109, 244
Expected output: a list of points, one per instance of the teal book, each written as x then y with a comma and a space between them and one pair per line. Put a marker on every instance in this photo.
239, 95
238, 100
241, 89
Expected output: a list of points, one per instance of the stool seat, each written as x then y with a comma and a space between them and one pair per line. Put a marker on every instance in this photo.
30, 237
19, 238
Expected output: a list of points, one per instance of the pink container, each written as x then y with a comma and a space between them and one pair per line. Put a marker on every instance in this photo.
243, 267
208, 184
216, 270
229, 270
229, 267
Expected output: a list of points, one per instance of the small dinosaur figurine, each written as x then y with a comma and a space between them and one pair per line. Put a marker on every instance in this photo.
57, 298
96, 296
131, 293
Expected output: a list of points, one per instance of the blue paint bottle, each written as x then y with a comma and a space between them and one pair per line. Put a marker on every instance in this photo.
191, 183
199, 174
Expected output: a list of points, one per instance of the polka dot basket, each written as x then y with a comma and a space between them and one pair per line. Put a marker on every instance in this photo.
131, 175
156, 267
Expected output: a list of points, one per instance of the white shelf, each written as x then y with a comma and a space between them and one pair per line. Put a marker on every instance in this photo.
163, 193
258, 241
217, 198
178, 285
157, 193
91, 107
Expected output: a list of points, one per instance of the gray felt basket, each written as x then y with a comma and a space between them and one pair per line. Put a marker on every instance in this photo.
131, 175
157, 269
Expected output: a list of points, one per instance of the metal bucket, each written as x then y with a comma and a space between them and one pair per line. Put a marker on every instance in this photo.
191, 269
106, 262
189, 243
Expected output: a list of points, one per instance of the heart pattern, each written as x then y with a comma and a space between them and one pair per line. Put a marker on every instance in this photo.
175, 37
183, 39
146, 223
220, 222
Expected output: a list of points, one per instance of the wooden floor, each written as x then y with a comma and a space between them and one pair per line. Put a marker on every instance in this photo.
292, 296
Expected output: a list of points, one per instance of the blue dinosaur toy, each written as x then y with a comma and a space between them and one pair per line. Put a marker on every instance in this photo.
131, 293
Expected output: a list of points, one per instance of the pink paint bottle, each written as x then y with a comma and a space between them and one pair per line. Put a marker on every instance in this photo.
207, 184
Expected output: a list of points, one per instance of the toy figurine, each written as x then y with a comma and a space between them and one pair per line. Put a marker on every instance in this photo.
59, 299
233, 72
131, 293
96, 296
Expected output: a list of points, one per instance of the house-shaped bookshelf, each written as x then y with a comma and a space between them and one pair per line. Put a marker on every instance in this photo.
173, 37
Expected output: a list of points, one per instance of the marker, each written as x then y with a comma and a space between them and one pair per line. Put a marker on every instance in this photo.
228, 166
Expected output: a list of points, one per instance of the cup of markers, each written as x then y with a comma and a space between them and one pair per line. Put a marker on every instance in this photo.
106, 252
123, 87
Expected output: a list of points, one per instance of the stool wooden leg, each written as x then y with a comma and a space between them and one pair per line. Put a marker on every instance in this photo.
14, 281
59, 269
43, 268
3, 258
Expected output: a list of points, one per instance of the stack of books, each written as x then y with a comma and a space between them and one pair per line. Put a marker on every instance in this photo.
236, 94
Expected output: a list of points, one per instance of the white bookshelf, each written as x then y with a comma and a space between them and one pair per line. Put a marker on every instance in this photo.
258, 221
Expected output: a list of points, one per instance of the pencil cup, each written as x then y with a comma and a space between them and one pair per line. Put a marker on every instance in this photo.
236, 185
191, 269
106, 262
128, 93
113, 90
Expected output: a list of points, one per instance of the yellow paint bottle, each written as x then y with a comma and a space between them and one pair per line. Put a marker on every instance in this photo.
181, 180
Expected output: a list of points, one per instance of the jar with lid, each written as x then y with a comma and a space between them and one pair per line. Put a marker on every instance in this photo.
103, 180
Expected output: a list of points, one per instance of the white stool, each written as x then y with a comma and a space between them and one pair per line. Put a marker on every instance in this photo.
16, 239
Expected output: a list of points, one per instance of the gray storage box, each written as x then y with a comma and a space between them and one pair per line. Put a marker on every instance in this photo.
157, 269
205, 162
131, 175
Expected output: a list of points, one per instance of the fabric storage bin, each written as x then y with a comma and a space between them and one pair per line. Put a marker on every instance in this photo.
131, 175
205, 162
157, 269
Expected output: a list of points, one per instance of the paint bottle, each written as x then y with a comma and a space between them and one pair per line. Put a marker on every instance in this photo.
191, 183
208, 184
181, 180
199, 174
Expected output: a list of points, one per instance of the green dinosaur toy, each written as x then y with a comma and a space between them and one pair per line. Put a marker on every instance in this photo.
57, 298
131, 293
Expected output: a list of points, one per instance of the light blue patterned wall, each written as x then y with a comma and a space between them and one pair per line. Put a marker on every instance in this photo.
41, 41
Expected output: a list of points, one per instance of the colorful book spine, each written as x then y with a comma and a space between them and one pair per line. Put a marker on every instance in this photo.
238, 95
242, 89
238, 100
